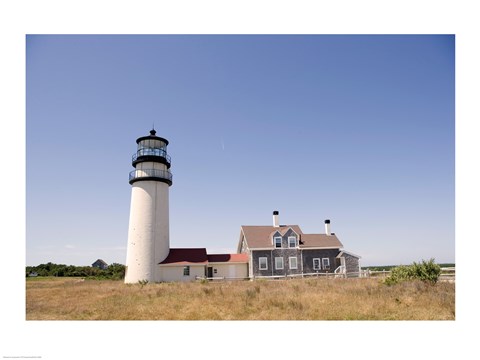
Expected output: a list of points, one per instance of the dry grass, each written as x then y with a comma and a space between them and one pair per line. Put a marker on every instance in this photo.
299, 299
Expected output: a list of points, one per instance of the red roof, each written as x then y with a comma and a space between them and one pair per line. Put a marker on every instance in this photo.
186, 256
199, 256
228, 258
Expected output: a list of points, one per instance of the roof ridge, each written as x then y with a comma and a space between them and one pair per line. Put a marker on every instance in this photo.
189, 248
281, 226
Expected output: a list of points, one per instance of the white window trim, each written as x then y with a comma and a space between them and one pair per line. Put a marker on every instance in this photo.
327, 267
275, 242
186, 267
319, 264
260, 264
292, 237
290, 263
283, 265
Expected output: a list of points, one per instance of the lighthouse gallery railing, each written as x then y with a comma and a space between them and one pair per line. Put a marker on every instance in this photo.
153, 173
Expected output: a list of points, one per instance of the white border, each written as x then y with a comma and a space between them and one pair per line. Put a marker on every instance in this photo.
439, 340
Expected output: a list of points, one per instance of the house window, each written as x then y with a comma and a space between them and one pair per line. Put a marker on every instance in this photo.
326, 263
278, 242
278, 263
186, 271
316, 264
262, 263
292, 241
292, 262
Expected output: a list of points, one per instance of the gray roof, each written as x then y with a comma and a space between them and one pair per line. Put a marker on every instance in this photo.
100, 261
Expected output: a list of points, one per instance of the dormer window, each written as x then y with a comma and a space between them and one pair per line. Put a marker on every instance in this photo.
277, 242
292, 241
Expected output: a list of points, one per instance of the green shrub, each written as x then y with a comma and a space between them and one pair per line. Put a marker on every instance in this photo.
400, 273
426, 271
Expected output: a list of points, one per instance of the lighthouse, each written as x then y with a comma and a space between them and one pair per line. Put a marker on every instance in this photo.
148, 231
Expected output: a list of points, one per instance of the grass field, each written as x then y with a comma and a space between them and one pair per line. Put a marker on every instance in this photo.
299, 299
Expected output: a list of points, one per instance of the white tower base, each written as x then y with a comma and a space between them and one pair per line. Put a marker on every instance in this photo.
148, 233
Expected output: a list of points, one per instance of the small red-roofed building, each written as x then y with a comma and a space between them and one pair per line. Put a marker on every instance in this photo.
187, 264
227, 266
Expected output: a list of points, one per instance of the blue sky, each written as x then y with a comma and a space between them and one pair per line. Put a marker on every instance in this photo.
356, 129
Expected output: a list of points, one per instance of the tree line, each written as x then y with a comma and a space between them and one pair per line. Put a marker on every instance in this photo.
114, 271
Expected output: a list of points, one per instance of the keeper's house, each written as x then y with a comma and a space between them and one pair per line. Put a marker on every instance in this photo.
284, 250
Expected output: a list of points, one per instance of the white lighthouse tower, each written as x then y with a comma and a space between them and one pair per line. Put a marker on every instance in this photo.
148, 232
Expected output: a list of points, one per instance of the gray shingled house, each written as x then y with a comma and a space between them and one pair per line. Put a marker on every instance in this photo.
284, 250
100, 264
